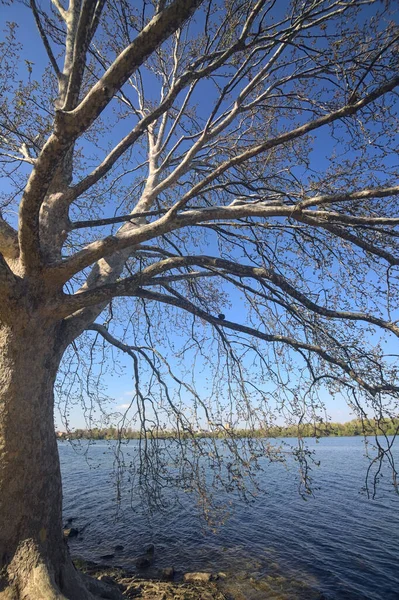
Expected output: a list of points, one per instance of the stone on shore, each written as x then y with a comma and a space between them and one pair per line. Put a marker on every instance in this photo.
107, 556
132, 586
150, 549
198, 577
167, 574
71, 532
143, 562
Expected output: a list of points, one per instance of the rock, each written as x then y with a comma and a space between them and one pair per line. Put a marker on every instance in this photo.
222, 575
107, 556
197, 577
167, 574
150, 549
71, 532
241, 575
107, 579
119, 547
143, 562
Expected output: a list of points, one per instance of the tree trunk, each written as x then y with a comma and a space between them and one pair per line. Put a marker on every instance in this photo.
34, 559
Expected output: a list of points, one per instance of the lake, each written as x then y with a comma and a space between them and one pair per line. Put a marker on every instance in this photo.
337, 545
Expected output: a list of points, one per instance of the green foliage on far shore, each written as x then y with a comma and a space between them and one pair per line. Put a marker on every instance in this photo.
325, 429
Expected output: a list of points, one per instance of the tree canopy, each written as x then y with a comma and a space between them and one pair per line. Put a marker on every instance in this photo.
229, 170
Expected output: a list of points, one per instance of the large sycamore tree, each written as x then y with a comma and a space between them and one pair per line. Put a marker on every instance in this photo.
192, 158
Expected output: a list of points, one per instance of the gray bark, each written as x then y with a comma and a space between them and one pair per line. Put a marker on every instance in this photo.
34, 559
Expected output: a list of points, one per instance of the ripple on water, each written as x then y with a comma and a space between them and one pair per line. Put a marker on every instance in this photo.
339, 544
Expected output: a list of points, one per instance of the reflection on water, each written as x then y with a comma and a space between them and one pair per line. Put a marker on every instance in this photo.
337, 545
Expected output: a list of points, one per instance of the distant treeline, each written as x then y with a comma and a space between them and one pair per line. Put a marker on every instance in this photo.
351, 428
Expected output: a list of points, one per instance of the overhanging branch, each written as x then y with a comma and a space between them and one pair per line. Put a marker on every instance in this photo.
291, 342
345, 111
171, 222
150, 277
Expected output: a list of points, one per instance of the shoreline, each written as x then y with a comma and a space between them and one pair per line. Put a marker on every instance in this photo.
354, 428
199, 585
132, 585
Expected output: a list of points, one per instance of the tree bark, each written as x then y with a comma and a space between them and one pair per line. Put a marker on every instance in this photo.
34, 559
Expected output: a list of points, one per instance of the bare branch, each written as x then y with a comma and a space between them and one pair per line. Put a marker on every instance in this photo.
161, 26
283, 138
302, 204
291, 342
350, 237
69, 125
85, 30
45, 40
60, 8
348, 196
149, 276
170, 222
33, 196
189, 77
114, 220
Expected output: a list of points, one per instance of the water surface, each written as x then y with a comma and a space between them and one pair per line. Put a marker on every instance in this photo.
337, 545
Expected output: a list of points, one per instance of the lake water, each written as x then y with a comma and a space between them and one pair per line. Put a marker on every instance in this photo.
337, 545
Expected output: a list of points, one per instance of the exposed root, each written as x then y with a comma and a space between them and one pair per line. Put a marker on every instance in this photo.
41, 587
101, 589
30, 578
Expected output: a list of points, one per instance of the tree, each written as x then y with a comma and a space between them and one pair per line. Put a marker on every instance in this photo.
245, 150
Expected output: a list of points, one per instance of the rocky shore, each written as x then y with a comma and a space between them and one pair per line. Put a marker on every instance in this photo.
195, 586
199, 585
149, 583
